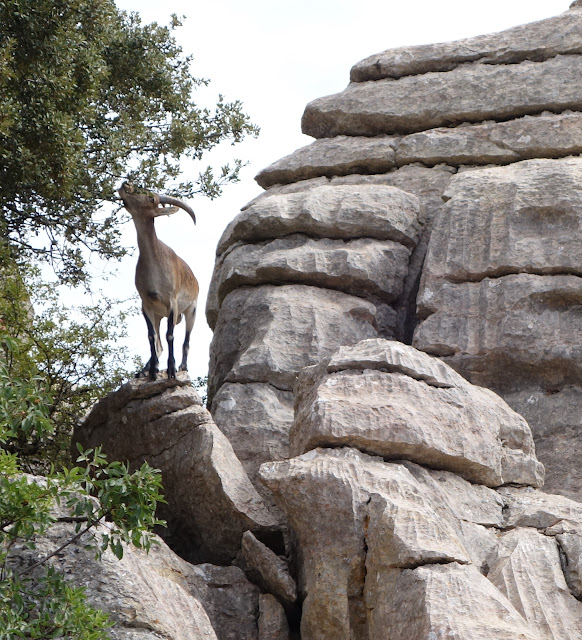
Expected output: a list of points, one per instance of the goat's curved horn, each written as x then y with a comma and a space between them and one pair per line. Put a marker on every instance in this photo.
178, 203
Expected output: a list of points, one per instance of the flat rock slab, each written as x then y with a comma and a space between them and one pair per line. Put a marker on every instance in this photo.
364, 267
534, 41
503, 333
210, 499
471, 93
544, 136
523, 218
268, 333
343, 212
388, 399
339, 156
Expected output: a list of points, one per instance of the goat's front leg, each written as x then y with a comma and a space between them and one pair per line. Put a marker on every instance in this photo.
152, 365
170, 339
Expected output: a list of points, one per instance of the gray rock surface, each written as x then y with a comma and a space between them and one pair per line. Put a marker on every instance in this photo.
570, 542
428, 602
544, 136
416, 103
506, 333
339, 156
534, 41
363, 267
388, 399
547, 135
344, 212
395, 547
524, 558
256, 418
269, 333
149, 596
524, 218
273, 572
555, 413
211, 501
272, 620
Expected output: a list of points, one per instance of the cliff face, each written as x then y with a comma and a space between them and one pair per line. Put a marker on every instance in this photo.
485, 134
396, 353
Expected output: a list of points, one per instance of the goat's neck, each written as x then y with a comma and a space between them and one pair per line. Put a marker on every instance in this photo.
147, 240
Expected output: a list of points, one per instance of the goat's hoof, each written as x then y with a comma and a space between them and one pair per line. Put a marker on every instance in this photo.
183, 367
171, 373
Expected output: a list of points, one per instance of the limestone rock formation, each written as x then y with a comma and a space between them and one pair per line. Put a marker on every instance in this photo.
391, 400
367, 486
386, 546
165, 424
148, 596
507, 243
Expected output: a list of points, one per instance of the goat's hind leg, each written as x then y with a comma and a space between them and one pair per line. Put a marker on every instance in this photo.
190, 316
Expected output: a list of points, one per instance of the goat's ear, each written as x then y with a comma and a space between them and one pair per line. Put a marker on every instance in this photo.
165, 211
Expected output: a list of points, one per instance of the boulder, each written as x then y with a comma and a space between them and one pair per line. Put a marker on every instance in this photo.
468, 93
210, 499
269, 333
534, 41
388, 399
362, 267
344, 212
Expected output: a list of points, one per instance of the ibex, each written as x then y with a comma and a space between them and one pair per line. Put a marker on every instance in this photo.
165, 283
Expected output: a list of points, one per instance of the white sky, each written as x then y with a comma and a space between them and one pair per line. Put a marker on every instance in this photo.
275, 57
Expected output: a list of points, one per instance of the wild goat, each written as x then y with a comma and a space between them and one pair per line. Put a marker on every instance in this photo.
165, 283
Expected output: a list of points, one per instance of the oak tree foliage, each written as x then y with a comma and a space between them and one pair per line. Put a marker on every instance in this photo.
89, 95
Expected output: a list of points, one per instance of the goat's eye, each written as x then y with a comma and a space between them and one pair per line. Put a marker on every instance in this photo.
152, 199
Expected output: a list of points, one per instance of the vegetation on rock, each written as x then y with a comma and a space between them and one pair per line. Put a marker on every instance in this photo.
88, 96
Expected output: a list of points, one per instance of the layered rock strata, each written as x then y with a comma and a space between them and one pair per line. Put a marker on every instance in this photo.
395, 548
299, 274
414, 118
501, 293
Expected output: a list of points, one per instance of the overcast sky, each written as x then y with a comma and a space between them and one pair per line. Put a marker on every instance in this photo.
276, 56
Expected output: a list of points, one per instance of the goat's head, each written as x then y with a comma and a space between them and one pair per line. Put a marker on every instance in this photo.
147, 204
